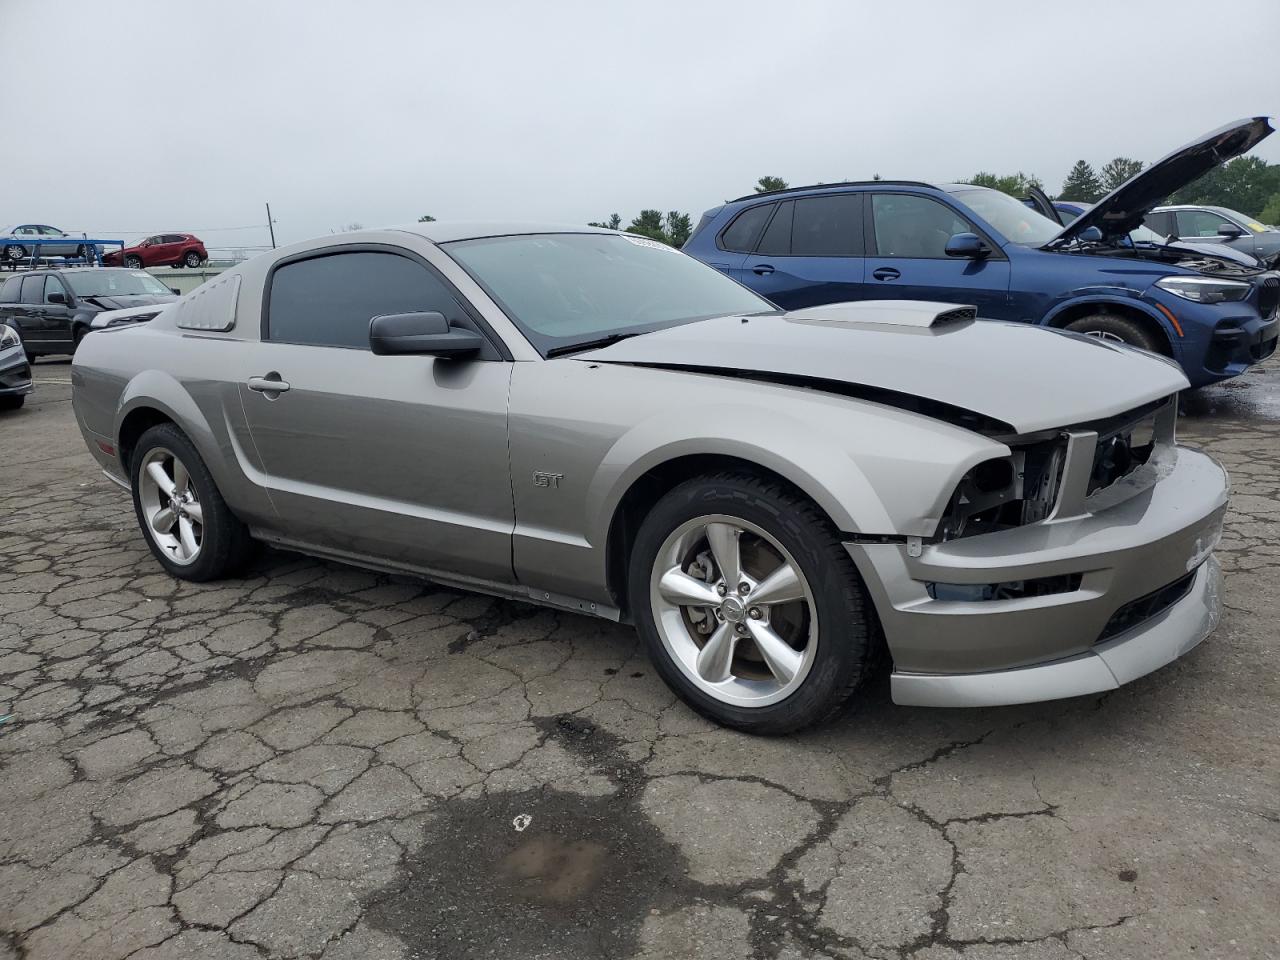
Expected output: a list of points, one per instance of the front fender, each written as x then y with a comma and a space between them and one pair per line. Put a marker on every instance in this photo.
1129, 299
872, 469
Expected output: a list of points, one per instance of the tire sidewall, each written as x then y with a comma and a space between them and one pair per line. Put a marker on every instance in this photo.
1124, 328
216, 534
841, 652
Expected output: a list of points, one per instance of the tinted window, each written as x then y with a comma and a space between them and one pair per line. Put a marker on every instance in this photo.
53, 285
173, 238
776, 241
32, 290
1161, 223
329, 301
827, 226
1199, 223
9, 290
745, 230
912, 226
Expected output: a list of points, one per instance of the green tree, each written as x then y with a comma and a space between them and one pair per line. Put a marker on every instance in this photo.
1082, 184
1118, 171
678, 228
1271, 212
649, 224
1245, 184
1015, 184
426, 218
769, 184
613, 223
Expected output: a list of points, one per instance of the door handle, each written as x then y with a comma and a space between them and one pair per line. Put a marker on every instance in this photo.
885, 273
762, 269
269, 384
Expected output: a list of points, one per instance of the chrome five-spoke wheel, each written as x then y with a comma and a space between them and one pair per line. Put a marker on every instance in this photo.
171, 506
734, 611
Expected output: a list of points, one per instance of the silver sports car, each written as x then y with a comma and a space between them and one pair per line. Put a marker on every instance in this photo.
595, 421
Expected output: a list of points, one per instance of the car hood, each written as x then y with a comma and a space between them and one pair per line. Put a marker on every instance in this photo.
1128, 205
1027, 377
124, 303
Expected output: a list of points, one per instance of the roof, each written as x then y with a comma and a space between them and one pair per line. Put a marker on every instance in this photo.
828, 186
445, 231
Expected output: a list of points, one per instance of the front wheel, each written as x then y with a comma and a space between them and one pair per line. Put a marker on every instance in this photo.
750, 607
14, 253
133, 263
188, 526
12, 403
1108, 326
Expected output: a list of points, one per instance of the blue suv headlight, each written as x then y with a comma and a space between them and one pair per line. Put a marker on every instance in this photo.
1205, 289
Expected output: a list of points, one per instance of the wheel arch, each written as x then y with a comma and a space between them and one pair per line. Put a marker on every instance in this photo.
155, 397
1151, 319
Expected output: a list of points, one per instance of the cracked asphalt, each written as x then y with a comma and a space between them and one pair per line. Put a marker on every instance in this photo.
317, 761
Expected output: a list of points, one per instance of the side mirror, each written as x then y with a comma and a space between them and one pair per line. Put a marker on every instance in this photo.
1230, 230
56, 298
421, 333
968, 245
1090, 235
175, 291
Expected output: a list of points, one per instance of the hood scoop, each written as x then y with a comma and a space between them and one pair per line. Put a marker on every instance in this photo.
920, 314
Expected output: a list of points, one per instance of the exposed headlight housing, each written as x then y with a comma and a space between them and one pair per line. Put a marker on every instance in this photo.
1205, 289
9, 337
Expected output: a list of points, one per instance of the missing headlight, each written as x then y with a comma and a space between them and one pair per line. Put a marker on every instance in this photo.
1006, 491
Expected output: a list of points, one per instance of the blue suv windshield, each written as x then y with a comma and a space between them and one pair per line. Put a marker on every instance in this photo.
1013, 218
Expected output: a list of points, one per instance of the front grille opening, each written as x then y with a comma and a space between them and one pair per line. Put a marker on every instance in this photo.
1137, 612
1120, 453
1268, 296
1008, 590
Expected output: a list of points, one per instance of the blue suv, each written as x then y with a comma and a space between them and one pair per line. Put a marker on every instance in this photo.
1210, 308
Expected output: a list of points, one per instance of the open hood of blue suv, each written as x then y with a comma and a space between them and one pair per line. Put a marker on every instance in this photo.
1125, 207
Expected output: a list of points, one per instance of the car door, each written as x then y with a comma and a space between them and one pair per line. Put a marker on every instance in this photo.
811, 252
56, 310
738, 239
28, 313
907, 236
397, 458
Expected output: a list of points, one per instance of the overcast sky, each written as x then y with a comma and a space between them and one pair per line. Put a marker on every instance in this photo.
176, 116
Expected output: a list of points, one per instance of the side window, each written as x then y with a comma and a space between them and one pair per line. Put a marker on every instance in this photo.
1161, 223
172, 238
827, 226
741, 235
9, 290
776, 241
53, 285
26, 231
913, 226
1199, 223
32, 290
51, 232
329, 300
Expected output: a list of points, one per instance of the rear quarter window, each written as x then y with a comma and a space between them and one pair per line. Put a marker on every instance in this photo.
741, 235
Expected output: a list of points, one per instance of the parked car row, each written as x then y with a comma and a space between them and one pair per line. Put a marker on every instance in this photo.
24, 241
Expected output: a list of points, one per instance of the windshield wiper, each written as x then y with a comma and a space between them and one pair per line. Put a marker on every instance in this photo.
592, 344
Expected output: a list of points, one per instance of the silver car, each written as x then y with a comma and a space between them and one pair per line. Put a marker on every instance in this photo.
594, 421
30, 239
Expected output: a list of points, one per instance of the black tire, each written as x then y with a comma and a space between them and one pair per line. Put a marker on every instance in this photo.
133, 263
192, 260
12, 403
77, 335
15, 253
226, 546
1110, 325
845, 618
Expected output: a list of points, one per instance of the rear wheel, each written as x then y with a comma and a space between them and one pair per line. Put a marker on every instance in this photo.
187, 524
1109, 326
133, 263
192, 259
750, 607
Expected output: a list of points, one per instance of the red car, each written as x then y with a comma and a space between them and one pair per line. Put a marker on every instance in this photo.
172, 249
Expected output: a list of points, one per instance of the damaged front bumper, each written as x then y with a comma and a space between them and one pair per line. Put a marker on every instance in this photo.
1126, 584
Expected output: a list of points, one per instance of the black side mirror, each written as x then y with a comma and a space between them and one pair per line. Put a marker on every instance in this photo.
175, 291
1230, 230
56, 298
967, 245
421, 333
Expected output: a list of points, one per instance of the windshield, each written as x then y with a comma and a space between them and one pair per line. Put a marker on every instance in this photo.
564, 289
116, 283
1249, 222
1012, 218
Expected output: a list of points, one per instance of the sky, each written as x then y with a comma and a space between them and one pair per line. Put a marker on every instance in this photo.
159, 116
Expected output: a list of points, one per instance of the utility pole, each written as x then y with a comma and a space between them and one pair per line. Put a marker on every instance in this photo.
271, 225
